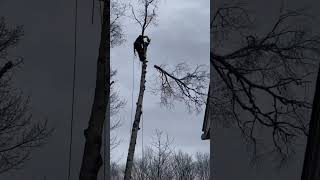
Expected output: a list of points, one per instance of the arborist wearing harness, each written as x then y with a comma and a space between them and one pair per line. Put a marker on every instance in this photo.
140, 45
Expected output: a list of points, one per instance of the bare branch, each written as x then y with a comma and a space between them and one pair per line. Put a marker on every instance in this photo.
182, 85
19, 132
135, 17
116, 104
145, 17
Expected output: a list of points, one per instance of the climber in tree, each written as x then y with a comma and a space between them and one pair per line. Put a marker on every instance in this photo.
140, 45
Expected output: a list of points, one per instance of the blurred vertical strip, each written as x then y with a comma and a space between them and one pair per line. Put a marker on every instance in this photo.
311, 165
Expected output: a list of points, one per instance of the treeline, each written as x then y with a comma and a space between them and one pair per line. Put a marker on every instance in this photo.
174, 166
161, 161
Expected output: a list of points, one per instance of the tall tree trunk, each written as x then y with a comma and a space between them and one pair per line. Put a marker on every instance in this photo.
311, 166
92, 159
136, 122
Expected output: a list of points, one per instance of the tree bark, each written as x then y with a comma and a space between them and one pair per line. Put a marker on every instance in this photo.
136, 122
92, 159
5, 68
311, 165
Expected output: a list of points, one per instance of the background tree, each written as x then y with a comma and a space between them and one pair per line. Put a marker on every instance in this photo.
162, 151
116, 104
20, 134
117, 11
183, 166
202, 165
143, 167
115, 171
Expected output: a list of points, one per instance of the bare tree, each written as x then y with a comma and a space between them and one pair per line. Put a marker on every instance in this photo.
20, 134
183, 166
117, 37
162, 147
142, 167
117, 11
156, 159
259, 82
201, 166
144, 18
115, 171
116, 104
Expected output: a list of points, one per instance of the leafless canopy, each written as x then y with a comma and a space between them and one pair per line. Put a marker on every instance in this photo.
19, 133
155, 163
143, 16
117, 10
116, 104
183, 84
117, 37
262, 85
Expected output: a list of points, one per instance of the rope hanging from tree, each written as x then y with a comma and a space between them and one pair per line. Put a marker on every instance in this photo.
73, 86
132, 92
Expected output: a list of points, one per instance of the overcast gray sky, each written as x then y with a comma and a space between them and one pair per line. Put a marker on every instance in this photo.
181, 36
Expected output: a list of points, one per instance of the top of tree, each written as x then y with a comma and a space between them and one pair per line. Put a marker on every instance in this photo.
144, 17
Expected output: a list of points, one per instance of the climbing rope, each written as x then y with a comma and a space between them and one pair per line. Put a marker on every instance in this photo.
73, 84
142, 153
